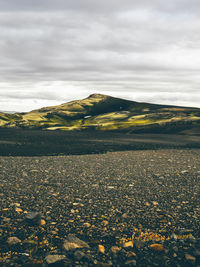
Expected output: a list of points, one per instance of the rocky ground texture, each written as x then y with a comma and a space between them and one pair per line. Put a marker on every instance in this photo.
131, 208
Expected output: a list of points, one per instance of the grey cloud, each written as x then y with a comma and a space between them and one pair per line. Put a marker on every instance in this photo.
128, 46
99, 6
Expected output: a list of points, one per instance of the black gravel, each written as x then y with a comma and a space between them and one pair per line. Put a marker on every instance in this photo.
104, 199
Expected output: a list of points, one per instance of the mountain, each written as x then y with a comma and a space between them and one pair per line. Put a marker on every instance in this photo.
10, 112
106, 113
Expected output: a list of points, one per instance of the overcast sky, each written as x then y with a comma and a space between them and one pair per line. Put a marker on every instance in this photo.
54, 51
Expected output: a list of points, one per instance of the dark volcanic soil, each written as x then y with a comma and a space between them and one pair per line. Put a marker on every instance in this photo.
19, 142
107, 200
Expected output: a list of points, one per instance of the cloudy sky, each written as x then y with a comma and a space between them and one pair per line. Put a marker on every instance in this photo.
54, 51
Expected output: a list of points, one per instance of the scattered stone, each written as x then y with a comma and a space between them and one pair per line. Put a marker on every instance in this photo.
42, 222
131, 263
155, 203
191, 239
54, 232
18, 210
105, 223
173, 237
128, 244
115, 249
79, 255
15, 204
13, 240
175, 249
111, 187
6, 220
87, 225
101, 249
51, 259
113, 220
157, 247
185, 231
190, 257
197, 252
33, 218
73, 242
130, 254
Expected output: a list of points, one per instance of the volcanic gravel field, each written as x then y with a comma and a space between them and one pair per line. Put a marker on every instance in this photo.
130, 208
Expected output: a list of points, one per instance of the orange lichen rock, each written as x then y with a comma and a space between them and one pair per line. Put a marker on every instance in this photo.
157, 247
101, 249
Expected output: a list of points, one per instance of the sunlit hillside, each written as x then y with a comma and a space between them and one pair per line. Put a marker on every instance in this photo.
106, 113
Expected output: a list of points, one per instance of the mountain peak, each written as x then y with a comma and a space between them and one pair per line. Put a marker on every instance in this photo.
97, 96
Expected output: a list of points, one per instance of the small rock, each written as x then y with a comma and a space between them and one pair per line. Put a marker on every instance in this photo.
197, 253
175, 249
18, 210
54, 232
185, 231
130, 254
105, 223
190, 257
131, 263
50, 259
173, 237
191, 239
115, 249
73, 242
157, 247
7, 220
87, 225
111, 187
42, 222
128, 244
79, 255
101, 249
15, 204
33, 218
13, 240
155, 203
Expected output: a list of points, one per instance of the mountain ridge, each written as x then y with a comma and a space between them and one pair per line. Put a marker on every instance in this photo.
106, 113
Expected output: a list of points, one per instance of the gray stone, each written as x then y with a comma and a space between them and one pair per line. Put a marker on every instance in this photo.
73, 242
79, 255
50, 259
33, 218
131, 263
13, 240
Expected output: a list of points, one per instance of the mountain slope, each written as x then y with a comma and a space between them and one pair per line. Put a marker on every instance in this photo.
102, 112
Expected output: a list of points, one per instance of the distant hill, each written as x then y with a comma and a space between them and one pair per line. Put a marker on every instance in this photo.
106, 113
5, 111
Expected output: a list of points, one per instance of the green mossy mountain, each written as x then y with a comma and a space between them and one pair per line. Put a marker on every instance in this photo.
106, 113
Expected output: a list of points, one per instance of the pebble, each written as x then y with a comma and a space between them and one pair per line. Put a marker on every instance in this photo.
128, 244
51, 259
157, 247
87, 225
13, 240
42, 222
130, 254
73, 242
79, 255
190, 257
101, 249
131, 263
115, 249
33, 218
